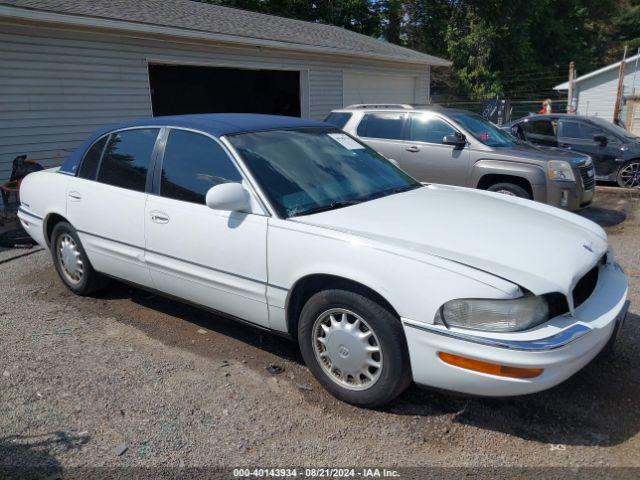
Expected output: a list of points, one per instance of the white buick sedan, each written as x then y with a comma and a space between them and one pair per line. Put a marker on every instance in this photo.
295, 227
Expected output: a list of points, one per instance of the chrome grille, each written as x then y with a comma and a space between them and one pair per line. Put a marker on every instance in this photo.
588, 177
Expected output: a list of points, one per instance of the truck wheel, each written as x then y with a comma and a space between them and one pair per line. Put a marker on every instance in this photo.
510, 189
629, 175
72, 263
354, 347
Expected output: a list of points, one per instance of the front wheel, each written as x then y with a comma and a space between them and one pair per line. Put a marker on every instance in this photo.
629, 175
510, 189
354, 347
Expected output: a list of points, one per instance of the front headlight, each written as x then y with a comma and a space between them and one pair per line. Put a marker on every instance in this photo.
494, 315
560, 170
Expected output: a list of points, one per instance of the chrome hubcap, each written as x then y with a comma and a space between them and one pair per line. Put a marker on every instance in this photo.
70, 258
630, 175
506, 192
347, 349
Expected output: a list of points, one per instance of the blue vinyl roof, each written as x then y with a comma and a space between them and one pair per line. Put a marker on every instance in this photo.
219, 124
216, 124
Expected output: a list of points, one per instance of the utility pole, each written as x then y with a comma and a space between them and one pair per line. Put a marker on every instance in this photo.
618, 104
572, 77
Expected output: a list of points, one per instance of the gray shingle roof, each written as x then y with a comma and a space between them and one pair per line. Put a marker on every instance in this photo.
215, 19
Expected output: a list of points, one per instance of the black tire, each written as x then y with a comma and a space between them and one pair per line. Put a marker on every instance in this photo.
89, 281
395, 372
627, 175
510, 189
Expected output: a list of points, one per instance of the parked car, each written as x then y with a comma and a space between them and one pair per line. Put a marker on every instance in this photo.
614, 150
456, 147
297, 228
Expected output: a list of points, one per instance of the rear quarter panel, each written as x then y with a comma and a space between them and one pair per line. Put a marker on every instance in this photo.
42, 194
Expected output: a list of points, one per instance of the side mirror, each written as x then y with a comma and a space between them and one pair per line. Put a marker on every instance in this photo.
601, 139
228, 196
458, 140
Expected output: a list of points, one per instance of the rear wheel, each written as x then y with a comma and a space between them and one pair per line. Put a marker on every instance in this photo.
72, 263
510, 189
354, 347
629, 175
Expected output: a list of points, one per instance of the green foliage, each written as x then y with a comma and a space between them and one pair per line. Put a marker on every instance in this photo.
627, 24
516, 48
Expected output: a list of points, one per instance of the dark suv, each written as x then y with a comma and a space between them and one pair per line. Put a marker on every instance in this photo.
614, 150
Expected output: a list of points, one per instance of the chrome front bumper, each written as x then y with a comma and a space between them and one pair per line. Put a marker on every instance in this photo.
561, 347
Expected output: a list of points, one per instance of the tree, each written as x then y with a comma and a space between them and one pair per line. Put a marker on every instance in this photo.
516, 48
626, 26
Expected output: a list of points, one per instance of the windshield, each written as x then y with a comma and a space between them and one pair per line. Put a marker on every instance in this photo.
309, 170
612, 127
483, 130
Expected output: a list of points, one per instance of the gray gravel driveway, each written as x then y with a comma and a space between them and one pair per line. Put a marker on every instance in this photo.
132, 379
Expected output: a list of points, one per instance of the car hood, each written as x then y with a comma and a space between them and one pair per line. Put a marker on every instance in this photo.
632, 145
540, 248
526, 150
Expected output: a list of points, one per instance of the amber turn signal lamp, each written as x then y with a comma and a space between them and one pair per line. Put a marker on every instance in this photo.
490, 368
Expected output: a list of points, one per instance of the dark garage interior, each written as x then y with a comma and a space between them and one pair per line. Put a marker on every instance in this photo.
182, 89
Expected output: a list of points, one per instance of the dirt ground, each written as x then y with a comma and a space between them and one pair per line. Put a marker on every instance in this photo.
131, 379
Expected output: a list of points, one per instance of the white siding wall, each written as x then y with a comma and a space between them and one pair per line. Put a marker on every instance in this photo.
597, 95
57, 86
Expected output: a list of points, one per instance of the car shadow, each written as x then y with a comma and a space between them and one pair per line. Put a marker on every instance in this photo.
597, 406
278, 345
605, 217
33, 456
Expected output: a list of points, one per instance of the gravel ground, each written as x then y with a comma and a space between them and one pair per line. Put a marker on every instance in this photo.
131, 379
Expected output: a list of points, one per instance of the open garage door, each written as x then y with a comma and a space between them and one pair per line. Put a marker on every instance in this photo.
367, 88
182, 89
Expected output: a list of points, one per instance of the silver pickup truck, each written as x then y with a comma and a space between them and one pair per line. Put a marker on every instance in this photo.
457, 147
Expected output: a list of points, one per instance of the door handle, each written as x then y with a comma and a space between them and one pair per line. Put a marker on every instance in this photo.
413, 149
159, 217
75, 196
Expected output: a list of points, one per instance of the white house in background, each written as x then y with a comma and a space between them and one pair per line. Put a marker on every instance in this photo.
68, 67
595, 92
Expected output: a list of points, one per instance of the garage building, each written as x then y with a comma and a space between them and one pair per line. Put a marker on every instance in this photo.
68, 67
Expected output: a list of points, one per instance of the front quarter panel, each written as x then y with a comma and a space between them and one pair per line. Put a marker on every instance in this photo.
533, 173
415, 288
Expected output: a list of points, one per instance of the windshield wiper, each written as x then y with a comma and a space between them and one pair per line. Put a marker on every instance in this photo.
347, 203
330, 206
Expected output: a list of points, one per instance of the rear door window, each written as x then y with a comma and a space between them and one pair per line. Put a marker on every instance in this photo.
382, 125
339, 119
192, 164
540, 130
126, 159
91, 160
540, 127
429, 129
